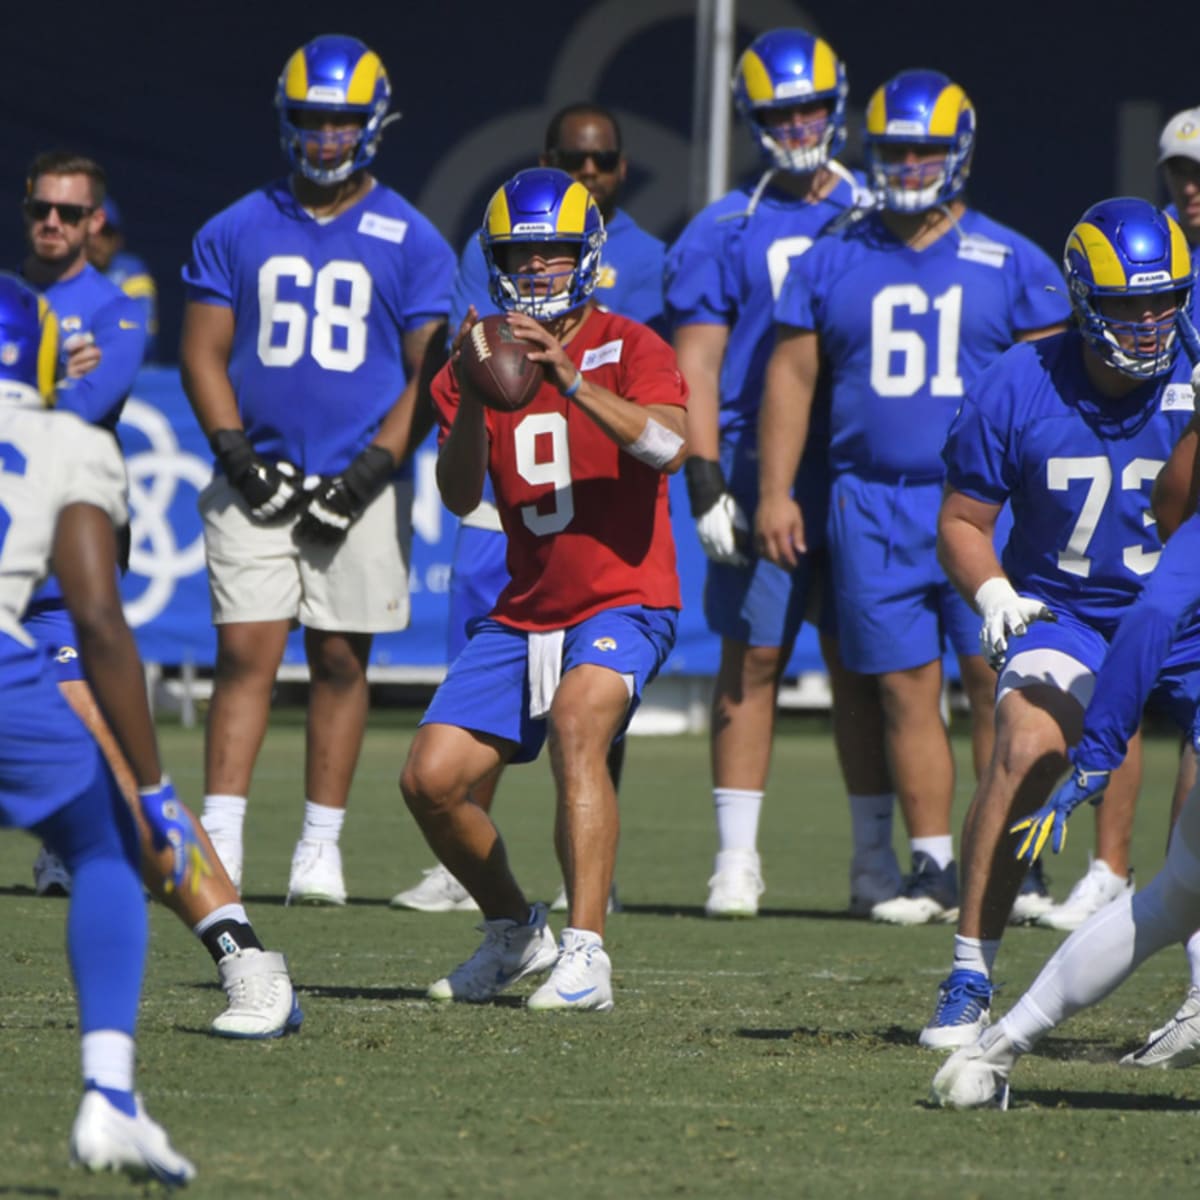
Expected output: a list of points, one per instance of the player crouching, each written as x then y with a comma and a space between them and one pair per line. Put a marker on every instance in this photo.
589, 615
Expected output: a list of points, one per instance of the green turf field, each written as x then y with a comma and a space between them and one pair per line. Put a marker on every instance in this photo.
775, 1057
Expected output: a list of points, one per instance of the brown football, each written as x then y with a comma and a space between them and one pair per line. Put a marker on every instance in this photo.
494, 365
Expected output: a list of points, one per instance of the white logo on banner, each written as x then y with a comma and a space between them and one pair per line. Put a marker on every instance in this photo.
155, 475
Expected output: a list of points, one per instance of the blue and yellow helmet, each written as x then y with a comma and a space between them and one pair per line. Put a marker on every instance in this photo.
542, 205
1127, 247
28, 339
332, 74
783, 68
921, 108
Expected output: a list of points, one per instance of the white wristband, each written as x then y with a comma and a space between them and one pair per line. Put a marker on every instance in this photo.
656, 445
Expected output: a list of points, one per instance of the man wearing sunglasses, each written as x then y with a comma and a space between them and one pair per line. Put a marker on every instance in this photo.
584, 140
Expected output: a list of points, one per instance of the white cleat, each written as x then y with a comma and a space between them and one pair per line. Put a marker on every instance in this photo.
316, 876
561, 904
229, 851
262, 1001
735, 886
437, 892
50, 876
105, 1139
511, 950
581, 980
1100, 886
1177, 1043
977, 1075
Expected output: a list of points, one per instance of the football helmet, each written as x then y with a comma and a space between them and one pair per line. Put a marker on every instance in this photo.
919, 108
1127, 247
28, 342
332, 74
542, 205
783, 68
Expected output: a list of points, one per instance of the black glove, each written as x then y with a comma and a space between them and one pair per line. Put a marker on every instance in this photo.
271, 489
341, 499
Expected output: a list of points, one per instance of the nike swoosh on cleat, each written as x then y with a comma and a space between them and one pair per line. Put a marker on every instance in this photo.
571, 997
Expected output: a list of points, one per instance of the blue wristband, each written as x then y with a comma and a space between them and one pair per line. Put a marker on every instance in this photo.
574, 386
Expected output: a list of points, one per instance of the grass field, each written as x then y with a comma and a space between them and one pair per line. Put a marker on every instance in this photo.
775, 1057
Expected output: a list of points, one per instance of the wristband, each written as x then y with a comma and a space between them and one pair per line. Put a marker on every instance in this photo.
705, 483
574, 386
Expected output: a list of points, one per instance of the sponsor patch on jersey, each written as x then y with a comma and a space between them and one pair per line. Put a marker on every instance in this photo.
605, 643
1178, 397
977, 249
390, 229
610, 352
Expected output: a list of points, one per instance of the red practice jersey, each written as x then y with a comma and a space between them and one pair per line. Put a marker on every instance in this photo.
588, 525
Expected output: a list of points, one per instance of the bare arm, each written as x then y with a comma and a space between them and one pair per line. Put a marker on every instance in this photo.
204, 366
462, 460
965, 543
1178, 483
783, 422
700, 350
85, 561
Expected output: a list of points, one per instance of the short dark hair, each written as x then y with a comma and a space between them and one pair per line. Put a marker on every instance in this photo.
583, 109
66, 162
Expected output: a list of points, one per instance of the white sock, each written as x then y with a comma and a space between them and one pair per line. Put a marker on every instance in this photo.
107, 1058
975, 954
322, 823
586, 936
1192, 946
871, 825
227, 912
223, 816
940, 849
737, 818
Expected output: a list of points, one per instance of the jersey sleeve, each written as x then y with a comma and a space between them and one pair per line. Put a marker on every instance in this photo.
430, 275
206, 275
91, 469
1040, 298
119, 329
470, 286
651, 373
696, 284
976, 453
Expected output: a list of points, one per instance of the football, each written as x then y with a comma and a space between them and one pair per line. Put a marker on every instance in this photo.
493, 363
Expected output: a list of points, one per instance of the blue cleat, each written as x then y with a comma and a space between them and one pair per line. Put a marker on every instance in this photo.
962, 1012
929, 894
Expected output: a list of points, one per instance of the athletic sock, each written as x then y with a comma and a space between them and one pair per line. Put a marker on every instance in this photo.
322, 822
940, 849
225, 931
737, 812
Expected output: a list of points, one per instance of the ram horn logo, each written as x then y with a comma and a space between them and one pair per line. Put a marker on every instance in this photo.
605, 643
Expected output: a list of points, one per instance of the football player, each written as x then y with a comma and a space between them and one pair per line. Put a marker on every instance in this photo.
108, 252
904, 307
1071, 433
722, 279
62, 492
589, 613
585, 141
311, 304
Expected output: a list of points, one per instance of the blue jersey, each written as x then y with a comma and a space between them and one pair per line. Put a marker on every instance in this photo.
728, 268
630, 283
907, 332
320, 311
88, 303
1077, 469
131, 274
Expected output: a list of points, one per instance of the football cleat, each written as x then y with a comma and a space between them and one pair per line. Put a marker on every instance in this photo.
1177, 1043
1100, 886
977, 1075
316, 876
105, 1139
929, 894
1034, 899
262, 1001
581, 980
735, 886
962, 1012
437, 892
511, 950
50, 876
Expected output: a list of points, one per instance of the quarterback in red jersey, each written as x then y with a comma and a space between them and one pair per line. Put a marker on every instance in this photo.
589, 615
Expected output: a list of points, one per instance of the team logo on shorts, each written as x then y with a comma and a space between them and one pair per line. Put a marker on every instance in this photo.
605, 643
66, 654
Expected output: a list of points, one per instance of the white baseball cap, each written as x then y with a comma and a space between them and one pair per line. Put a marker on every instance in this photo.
1181, 136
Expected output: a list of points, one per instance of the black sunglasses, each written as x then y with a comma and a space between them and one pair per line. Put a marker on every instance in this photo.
72, 214
573, 160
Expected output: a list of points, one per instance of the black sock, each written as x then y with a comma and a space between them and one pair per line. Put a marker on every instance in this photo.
227, 937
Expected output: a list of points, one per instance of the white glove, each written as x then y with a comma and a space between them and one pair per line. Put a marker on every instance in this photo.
724, 532
1005, 614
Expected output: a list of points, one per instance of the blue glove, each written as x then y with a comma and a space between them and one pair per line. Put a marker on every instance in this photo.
171, 825
1049, 823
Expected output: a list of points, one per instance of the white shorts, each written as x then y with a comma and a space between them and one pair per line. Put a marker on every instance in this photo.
263, 573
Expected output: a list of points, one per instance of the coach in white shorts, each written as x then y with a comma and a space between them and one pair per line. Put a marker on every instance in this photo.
312, 302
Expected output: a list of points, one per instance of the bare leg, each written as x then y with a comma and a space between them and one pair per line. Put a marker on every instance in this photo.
338, 701
979, 684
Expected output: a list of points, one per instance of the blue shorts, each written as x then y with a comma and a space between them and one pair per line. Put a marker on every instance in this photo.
895, 607
487, 687
478, 573
47, 757
50, 624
